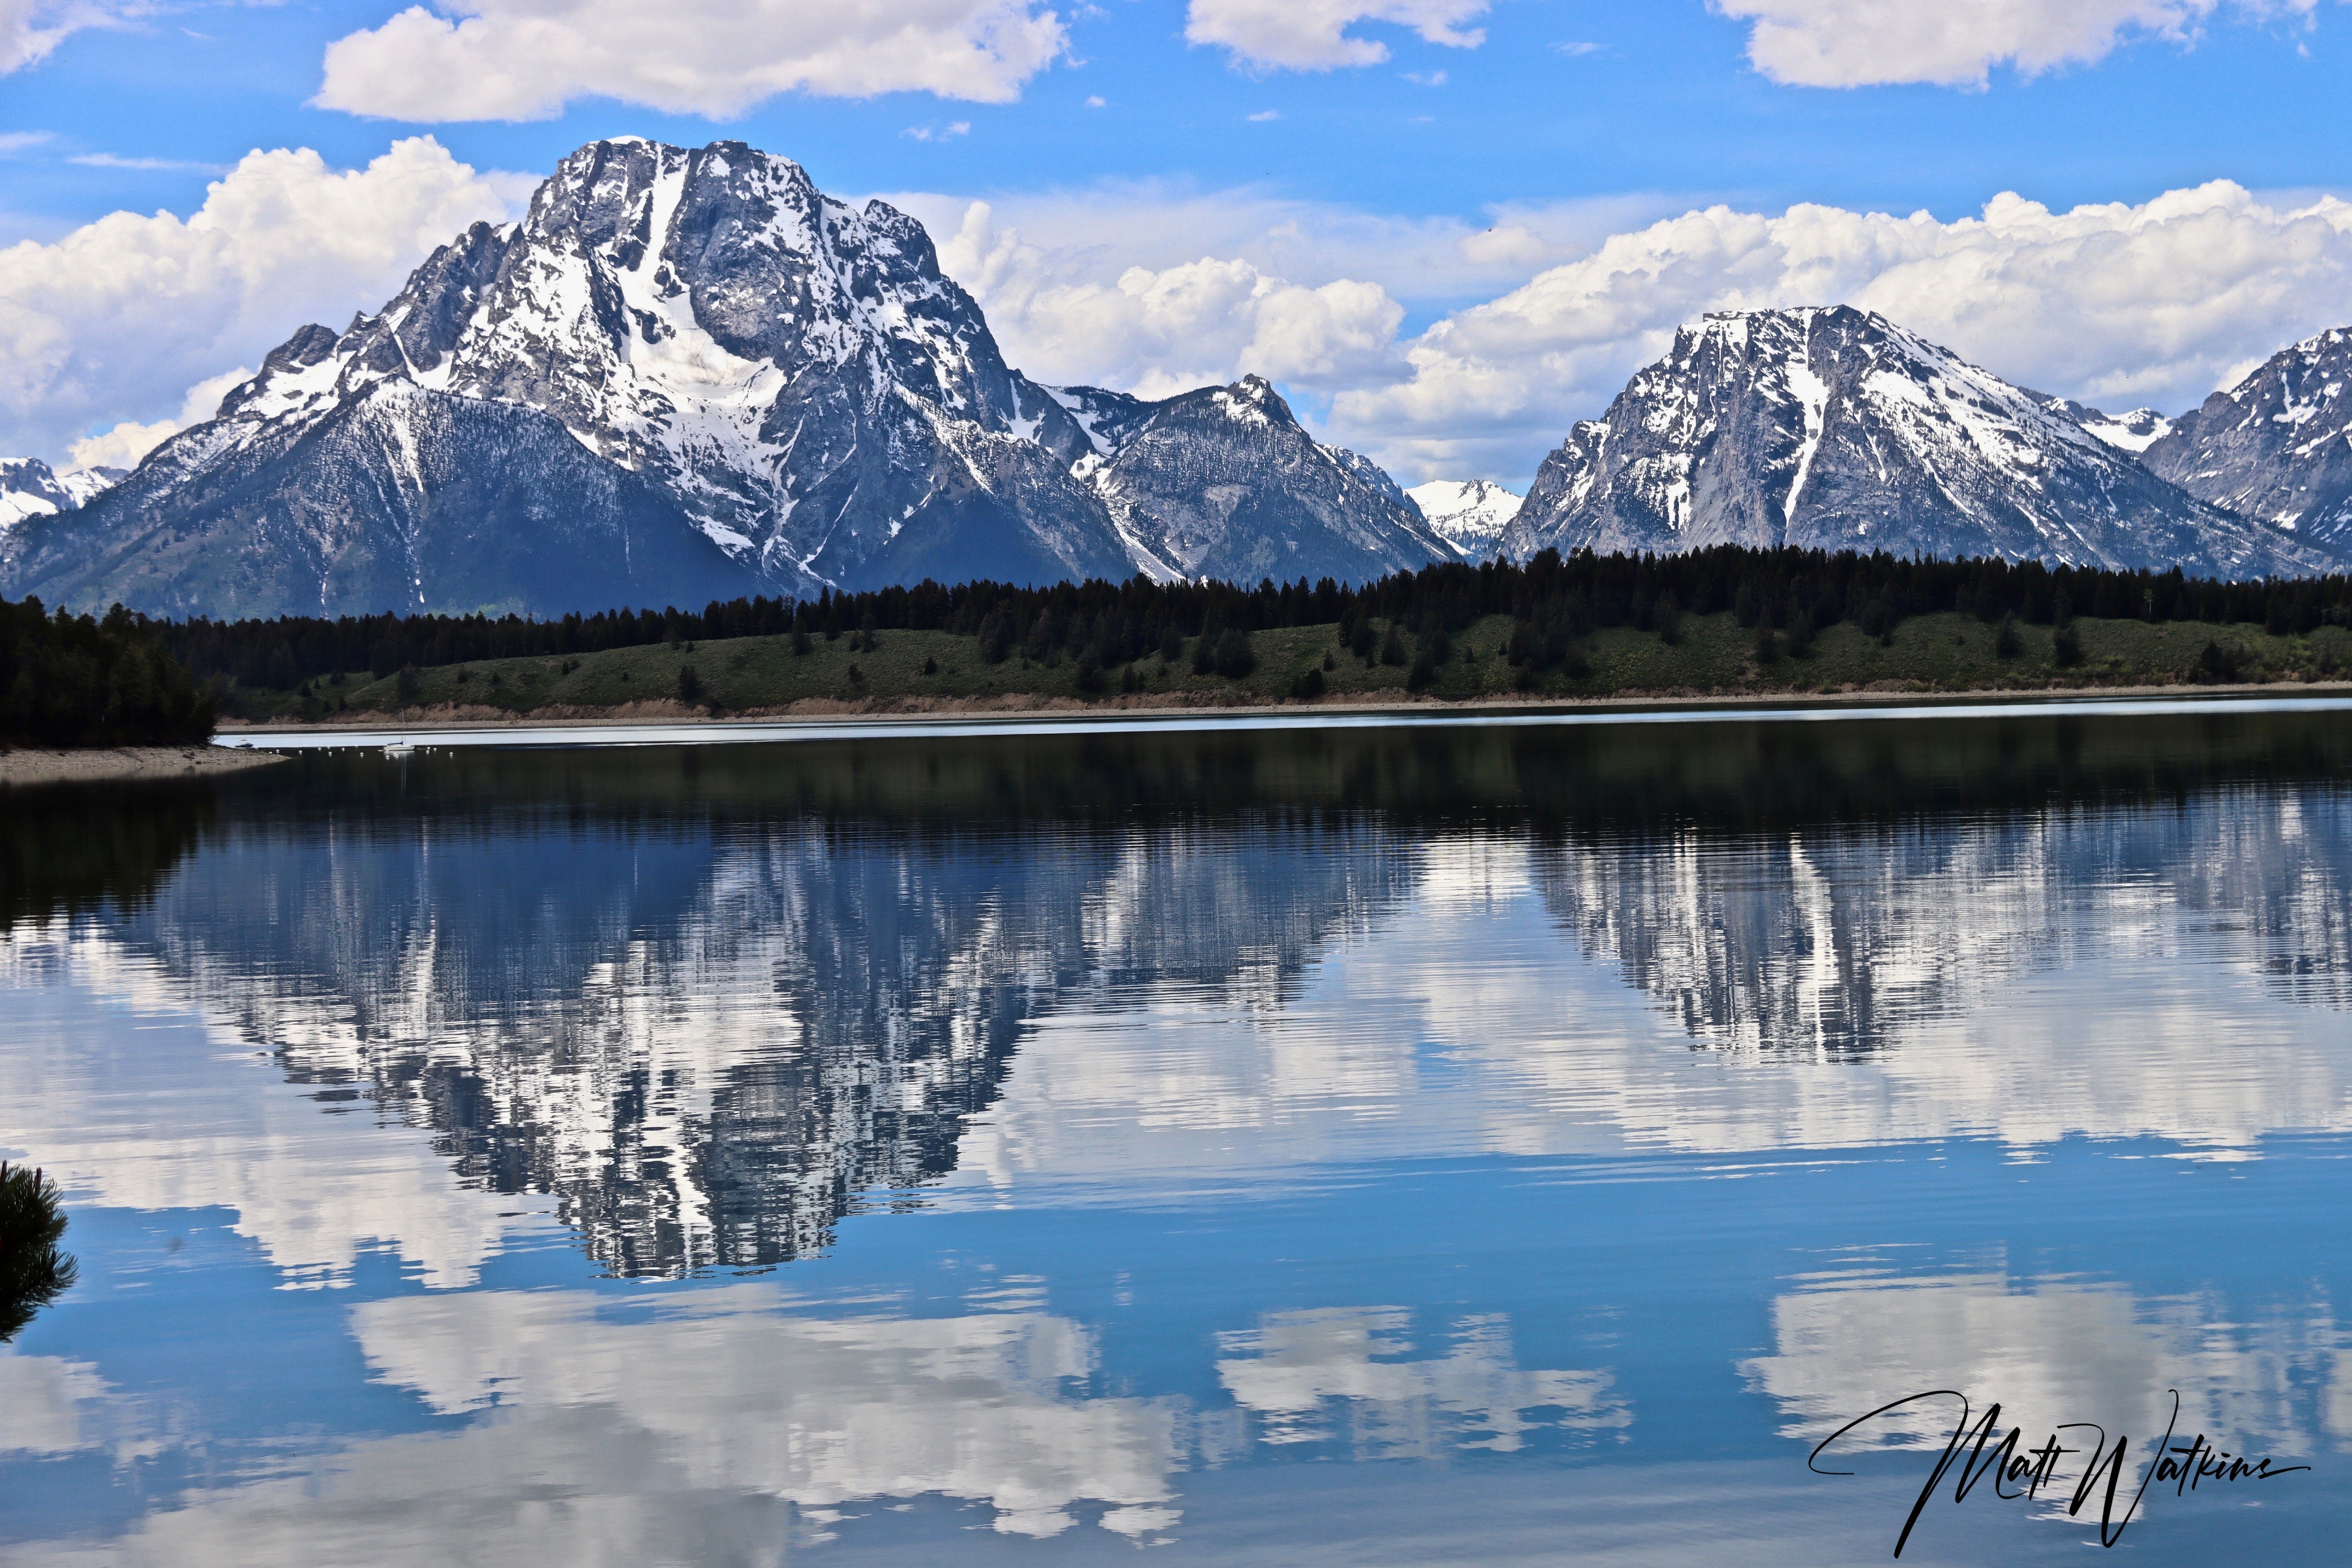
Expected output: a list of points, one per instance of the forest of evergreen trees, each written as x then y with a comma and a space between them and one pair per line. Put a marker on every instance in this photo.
75, 681
1556, 599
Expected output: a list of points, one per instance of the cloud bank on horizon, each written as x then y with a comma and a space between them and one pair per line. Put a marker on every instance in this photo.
1445, 346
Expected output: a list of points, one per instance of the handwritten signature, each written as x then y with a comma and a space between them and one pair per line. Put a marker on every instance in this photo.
2018, 1472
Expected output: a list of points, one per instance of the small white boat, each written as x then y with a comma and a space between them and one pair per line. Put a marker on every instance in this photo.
397, 748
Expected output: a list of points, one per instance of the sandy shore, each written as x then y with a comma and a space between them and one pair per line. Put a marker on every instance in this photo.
1183, 705
25, 765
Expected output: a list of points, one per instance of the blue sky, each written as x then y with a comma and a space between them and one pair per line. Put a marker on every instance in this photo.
1564, 123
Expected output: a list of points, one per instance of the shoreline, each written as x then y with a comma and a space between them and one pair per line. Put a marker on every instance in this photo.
34, 767
1059, 712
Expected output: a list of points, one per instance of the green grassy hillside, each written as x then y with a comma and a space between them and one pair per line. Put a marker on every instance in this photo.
1710, 655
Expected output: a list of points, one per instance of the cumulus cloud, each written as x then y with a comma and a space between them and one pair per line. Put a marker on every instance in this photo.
524, 60
1164, 329
118, 319
1020, 255
2120, 305
1312, 35
1859, 43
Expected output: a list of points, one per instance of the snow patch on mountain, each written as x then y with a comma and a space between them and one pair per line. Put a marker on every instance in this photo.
30, 488
2134, 432
1468, 514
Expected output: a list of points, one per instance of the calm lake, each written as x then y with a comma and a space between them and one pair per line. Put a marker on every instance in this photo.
1374, 1146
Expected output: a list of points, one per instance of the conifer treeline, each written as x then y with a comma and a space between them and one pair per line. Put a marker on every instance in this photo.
1556, 599
73, 680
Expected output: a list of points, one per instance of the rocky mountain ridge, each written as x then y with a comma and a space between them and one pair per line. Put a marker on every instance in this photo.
1833, 428
2277, 446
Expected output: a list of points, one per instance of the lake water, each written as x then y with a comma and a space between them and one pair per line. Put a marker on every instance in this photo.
1482, 1144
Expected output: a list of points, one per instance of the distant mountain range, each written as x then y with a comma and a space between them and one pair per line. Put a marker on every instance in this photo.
687, 375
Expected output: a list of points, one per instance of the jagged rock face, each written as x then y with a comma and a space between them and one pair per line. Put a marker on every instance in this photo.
2277, 447
824, 403
1469, 515
1835, 430
1224, 482
395, 499
30, 488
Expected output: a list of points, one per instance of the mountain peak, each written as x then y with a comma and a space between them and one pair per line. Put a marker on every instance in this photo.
1470, 515
1831, 428
2278, 444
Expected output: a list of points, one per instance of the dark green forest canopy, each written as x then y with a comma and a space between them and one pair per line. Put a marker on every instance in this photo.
1555, 598
75, 681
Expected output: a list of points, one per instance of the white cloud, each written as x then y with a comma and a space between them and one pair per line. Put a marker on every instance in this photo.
116, 161
31, 29
1161, 331
1264, 115
524, 60
2119, 305
1023, 254
1857, 43
118, 319
1311, 35
123, 445
15, 142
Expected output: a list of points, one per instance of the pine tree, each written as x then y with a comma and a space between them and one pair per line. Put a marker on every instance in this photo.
33, 1271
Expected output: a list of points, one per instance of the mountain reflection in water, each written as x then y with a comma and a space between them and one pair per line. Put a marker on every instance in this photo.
711, 1001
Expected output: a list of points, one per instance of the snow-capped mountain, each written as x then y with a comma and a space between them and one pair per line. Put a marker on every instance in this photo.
1833, 428
1470, 516
2134, 432
30, 488
1224, 482
2277, 446
726, 351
